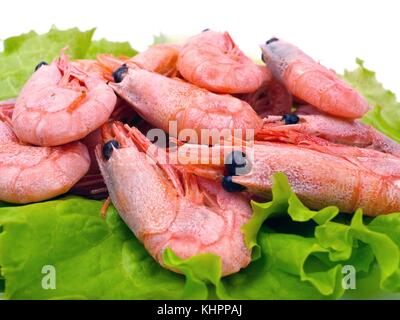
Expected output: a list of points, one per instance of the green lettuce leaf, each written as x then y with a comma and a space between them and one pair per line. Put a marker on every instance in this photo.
101, 259
308, 265
93, 258
114, 48
98, 258
22, 53
385, 116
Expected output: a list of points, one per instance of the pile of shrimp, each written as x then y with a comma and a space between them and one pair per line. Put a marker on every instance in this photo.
80, 127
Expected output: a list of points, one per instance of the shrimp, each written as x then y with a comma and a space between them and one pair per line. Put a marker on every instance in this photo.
211, 60
60, 104
160, 58
271, 98
190, 215
160, 100
320, 173
336, 130
31, 174
311, 82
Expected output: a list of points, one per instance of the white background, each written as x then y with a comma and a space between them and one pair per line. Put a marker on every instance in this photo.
333, 32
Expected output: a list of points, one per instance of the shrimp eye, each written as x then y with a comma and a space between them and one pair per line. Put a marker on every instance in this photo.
291, 118
120, 73
205, 30
271, 40
236, 164
40, 64
108, 148
231, 186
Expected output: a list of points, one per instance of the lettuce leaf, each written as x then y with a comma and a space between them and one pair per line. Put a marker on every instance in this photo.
93, 258
101, 259
296, 266
385, 116
22, 53
114, 48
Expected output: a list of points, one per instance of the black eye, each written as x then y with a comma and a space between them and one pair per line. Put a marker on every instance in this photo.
271, 40
236, 164
230, 186
120, 73
205, 30
291, 118
108, 148
40, 64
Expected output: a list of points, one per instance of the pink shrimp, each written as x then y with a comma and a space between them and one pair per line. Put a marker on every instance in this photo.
30, 173
333, 129
60, 104
190, 216
211, 60
160, 100
321, 173
160, 58
311, 82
